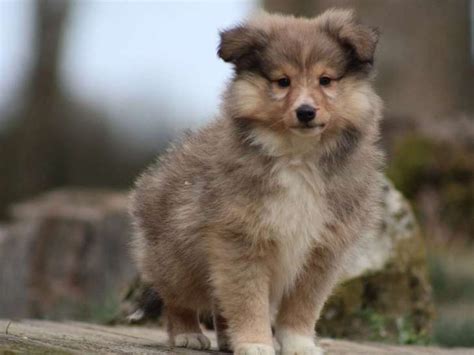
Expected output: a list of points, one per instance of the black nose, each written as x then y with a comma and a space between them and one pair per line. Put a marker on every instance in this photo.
305, 113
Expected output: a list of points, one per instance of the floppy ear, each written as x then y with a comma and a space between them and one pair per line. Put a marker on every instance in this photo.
360, 39
239, 46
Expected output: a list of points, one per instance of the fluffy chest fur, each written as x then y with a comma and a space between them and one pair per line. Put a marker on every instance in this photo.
295, 215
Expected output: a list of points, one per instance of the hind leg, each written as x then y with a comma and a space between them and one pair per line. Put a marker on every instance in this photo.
220, 325
184, 329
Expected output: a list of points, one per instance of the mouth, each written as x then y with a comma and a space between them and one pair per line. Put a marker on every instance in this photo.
309, 126
308, 130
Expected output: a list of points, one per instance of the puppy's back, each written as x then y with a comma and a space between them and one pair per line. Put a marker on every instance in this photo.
166, 207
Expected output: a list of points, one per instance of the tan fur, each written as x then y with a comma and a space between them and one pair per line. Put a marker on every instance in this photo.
254, 216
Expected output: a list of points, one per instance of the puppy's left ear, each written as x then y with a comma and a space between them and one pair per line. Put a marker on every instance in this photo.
360, 39
240, 46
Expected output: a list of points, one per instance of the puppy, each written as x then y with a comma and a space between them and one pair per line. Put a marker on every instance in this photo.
254, 216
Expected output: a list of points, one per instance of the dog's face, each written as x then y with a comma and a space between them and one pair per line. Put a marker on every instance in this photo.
305, 76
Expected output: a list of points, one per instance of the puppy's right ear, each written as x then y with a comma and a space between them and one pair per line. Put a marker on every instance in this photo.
240, 46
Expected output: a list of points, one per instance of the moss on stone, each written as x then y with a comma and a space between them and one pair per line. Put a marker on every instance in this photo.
420, 163
393, 304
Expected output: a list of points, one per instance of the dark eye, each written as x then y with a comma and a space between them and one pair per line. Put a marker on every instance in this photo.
284, 82
324, 81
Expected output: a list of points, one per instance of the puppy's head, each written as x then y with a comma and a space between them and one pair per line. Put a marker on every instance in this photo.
305, 77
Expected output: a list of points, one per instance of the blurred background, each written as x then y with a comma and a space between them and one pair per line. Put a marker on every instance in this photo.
92, 91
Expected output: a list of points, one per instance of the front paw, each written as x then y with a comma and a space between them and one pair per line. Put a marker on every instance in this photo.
254, 349
303, 350
196, 341
293, 343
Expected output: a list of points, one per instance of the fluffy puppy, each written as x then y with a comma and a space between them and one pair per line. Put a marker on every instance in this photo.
253, 216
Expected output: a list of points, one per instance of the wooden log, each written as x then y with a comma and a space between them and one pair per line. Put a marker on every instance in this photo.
41, 337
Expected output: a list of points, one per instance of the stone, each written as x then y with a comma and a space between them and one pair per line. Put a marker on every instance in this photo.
386, 295
65, 255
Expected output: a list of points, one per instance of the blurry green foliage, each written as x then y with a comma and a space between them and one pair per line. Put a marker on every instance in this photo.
420, 163
454, 332
452, 278
382, 327
412, 165
407, 333
450, 286
101, 311
446, 171
378, 324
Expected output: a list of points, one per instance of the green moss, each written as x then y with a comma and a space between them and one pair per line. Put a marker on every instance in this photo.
408, 333
390, 306
412, 163
447, 170
458, 208
378, 324
105, 312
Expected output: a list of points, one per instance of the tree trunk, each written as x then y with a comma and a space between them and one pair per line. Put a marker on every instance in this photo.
32, 154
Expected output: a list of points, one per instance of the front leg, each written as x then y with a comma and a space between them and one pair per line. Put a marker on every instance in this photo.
301, 307
241, 286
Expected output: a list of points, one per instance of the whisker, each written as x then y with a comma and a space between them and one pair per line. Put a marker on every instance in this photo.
277, 122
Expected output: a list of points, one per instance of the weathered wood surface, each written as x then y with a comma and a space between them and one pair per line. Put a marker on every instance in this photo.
40, 337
